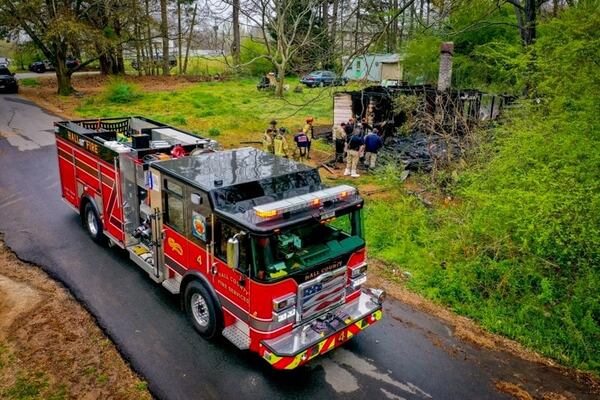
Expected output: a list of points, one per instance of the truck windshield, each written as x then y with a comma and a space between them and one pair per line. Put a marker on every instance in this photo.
299, 249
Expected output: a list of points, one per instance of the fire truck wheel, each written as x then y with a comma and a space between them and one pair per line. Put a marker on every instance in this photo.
93, 224
200, 309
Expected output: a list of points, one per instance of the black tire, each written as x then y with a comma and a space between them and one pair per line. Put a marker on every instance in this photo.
199, 304
93, 224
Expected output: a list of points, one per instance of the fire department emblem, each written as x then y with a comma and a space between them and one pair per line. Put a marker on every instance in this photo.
176, 247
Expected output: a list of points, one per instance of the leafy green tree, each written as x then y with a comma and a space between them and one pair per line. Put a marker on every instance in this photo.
54, 27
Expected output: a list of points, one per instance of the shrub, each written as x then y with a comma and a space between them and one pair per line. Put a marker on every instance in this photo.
249, 52
214, 132
120, 92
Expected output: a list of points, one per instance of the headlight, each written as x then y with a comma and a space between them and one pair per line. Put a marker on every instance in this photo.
284, 302
357, 271
356, 283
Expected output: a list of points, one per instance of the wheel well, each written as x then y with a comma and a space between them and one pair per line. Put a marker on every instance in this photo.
195, 276
85, 199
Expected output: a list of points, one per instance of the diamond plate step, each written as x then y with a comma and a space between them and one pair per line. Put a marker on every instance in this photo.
172, 285
240, 339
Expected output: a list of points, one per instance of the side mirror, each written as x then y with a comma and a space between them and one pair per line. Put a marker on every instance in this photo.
233, 252
196, 199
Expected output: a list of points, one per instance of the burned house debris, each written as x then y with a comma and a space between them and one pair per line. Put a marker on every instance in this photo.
422, 126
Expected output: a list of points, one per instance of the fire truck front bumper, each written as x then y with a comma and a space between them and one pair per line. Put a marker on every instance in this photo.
319, 336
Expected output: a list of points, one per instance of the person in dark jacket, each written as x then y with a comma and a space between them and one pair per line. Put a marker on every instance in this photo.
373, 143
302, 144
354, 148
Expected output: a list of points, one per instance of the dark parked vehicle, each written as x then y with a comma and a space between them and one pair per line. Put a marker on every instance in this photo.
157, 60
41, 66
46, 65
8, 82
323, 78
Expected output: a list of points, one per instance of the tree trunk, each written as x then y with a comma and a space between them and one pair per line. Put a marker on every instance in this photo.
63, 75
280, 79
138, 36
149, 62
164, 32
189, 41
356, 25
526, 21
236, 46
334, 19
393, 35
179, 36
105, 64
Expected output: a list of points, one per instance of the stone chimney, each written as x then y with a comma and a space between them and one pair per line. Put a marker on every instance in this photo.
445, 77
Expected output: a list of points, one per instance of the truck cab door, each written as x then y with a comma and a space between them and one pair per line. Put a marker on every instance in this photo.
231, 284
175, 244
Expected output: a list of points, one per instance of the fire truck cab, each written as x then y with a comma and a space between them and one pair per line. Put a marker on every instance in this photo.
258, 248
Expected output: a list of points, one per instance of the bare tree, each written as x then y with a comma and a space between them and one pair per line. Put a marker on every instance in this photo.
286, 28
235, 20
526, 11
164, 31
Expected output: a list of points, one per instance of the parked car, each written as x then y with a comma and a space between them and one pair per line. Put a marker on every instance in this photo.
4, 62
41, 66
323, 78
46, 65
8, 82
157, 60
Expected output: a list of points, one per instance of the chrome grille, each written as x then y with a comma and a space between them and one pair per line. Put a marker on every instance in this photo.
321, 294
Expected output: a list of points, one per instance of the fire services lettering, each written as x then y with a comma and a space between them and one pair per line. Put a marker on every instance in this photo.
230, 284
89, 146
316, 273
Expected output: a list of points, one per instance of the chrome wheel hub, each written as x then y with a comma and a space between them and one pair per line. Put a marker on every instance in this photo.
92, 223
200, 310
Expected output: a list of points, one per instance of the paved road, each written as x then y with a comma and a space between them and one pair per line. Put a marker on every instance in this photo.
50, 74
408, 355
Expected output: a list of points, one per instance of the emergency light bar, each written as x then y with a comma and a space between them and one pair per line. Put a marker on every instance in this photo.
304, 202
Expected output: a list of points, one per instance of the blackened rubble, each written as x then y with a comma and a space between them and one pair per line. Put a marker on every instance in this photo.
439, 124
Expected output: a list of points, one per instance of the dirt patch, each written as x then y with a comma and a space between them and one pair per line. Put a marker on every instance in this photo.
50, 347
514, 390
391, 279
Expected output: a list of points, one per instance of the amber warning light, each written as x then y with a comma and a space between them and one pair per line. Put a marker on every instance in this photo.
304, 202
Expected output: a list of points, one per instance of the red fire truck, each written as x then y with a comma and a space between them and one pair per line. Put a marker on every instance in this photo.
259, 249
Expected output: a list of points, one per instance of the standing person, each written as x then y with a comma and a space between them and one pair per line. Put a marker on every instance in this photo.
349, 128
308, 130
273, 126
280, 146
373, 143
267, 141
339, 138
366, 128
301, 143
355, 147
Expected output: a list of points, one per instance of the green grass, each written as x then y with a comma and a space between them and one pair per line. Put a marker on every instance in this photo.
29, 82
234, 110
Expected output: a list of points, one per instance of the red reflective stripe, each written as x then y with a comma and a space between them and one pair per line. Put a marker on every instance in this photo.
284, 362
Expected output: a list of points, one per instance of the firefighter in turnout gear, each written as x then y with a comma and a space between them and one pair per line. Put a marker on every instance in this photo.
267, 141
280, 145
309, 132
